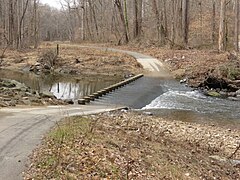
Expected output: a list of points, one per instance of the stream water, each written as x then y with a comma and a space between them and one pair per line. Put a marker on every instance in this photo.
182, 103
174, 101
62, 86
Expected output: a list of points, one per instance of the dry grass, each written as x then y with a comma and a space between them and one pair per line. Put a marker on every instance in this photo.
75, 59
129, 146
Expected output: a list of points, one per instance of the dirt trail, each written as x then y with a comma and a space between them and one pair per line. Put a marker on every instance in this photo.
151, 66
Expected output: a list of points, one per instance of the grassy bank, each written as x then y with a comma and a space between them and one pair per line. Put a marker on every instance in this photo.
122, 145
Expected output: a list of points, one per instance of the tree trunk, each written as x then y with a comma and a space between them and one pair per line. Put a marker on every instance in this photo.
137, 18
236, 25
35, 25
173, 35
19, 38
126, 16
92, 8
185, 21
160, 34
213, 21
122, 17
222, 27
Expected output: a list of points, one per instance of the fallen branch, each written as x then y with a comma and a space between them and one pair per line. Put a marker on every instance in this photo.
235, 152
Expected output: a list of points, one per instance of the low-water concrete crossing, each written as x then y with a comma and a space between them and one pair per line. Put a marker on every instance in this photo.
21, 129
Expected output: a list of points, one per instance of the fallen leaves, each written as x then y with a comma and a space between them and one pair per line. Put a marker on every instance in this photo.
122, 145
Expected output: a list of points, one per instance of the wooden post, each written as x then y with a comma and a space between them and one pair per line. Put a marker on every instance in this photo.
57, 49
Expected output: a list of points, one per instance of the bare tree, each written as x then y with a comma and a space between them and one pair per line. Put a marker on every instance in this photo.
222, 26
236, 25
185, 21
123, 20
137, 28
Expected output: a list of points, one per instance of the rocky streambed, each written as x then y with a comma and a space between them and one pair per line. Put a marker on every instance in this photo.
14, 93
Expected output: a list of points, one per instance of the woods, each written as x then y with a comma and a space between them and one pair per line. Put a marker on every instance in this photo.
176, 23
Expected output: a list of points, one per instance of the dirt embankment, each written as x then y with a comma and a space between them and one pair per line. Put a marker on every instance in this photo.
122, 145
72, 59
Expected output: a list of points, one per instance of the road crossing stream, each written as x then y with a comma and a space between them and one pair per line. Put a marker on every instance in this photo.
21, 129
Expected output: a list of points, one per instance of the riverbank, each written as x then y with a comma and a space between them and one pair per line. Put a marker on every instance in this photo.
215, 74
13, 93
71, 61
122, 144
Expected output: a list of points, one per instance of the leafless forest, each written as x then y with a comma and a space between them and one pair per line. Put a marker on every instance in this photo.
175, 23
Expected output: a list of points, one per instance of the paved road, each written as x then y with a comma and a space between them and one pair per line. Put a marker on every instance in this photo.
21, 129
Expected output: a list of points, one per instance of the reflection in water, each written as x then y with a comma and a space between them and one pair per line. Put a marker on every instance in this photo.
68, 90
62, 86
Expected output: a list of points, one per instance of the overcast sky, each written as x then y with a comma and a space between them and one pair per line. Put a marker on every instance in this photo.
53, 3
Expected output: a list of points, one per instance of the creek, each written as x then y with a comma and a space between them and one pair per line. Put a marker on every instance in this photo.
162, 97
183, 103
62, 86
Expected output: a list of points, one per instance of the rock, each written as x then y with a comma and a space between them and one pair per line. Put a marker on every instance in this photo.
238, 92
47, 94
218, 158
148, 113
214, 82
126, 76
234, 99
236, 163
232, 94
69, 101
37, 67
7, 83
37, 64
183, 81
223, 94
213, 94
3, 104
26, 102
12, 103
46, 67
233, 87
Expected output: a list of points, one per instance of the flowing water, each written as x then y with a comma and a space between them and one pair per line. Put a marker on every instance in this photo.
62, 86
171, 100
182, 103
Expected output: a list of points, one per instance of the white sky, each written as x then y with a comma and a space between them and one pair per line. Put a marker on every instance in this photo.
53, 3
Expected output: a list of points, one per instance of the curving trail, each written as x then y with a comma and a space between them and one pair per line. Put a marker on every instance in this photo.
21, 129
152, 66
